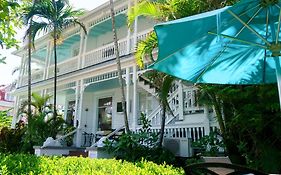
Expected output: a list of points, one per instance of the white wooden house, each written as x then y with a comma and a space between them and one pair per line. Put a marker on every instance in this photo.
88, 89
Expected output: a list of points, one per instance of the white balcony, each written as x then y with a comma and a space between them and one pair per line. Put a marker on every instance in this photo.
93, 57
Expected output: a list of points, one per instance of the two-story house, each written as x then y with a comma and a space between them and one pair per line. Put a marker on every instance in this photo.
88, 88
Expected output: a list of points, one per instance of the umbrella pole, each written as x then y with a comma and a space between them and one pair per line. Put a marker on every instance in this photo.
278, 77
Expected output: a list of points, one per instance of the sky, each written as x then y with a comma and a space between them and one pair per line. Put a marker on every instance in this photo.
12, 61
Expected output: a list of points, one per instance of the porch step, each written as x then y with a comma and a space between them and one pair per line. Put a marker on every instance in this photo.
78, 153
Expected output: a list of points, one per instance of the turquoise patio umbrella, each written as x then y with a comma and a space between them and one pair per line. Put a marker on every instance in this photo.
233, 45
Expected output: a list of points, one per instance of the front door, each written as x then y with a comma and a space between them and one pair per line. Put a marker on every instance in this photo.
105, 114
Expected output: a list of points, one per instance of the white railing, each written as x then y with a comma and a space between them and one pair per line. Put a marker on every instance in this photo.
156, 116
66, 66
99, 55
105, 53
180, 132
35, 76
101, 140
189, 105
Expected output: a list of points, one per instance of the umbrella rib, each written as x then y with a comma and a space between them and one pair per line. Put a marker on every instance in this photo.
250, 28
233, 38
278, 28
236, 39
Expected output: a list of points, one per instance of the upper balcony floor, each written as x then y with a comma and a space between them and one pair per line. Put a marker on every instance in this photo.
77, 50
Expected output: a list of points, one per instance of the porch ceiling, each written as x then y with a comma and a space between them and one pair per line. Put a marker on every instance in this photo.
65, 49
106, 26
40, 54
104, 85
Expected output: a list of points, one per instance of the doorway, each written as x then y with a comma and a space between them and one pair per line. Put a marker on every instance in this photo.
105, 114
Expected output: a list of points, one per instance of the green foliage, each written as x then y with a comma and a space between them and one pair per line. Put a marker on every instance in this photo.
209, 144
9, 19
5, 120
251, 120
11, 139
30, 164
41, 124
137, 146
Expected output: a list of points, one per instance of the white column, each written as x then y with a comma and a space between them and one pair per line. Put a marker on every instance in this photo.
15, 112
135, 29
135, 113
83, 51
207, 121
78, 114
21, 71
128, 90
47, 60
181, 102
129, 33
81, 48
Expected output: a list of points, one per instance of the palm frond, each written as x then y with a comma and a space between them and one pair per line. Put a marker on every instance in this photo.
144, 8
145, 49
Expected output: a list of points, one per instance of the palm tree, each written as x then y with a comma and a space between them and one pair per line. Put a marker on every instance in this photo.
52, 16
127, 129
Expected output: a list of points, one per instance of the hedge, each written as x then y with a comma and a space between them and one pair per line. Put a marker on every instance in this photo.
30, 164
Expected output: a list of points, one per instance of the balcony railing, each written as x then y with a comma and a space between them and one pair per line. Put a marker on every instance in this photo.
93, 57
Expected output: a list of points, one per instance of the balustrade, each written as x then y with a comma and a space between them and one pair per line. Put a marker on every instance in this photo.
181, 132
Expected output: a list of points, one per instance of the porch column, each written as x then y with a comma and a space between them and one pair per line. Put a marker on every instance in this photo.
135, 113
135, 30
47, 61
78, 110
128, 91
181, 102
84, 48
15, 112
22, 69
129, 44
207, 121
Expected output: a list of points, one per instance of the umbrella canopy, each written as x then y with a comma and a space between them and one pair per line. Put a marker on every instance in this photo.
232, 45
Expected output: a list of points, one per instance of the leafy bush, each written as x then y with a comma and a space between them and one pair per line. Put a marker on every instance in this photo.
30, 164
209, 145
11, 139
41, 123
137, 146
5, 120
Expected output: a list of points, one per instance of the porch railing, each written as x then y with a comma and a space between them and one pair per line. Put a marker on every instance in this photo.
181, 132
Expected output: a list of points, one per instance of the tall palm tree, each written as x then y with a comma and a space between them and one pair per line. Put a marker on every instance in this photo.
127, 129
53, 16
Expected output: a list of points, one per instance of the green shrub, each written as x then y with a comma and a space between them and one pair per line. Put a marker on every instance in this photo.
209, 145
142, 145
11, 139
30, 164
5, 120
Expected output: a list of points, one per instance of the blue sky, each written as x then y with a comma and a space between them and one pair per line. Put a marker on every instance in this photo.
13, 61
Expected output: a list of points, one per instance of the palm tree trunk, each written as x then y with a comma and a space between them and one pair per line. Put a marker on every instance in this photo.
163, 121
29, 72
55, 74
116, 49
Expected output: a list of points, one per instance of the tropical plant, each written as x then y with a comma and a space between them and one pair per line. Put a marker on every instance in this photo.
52, 16
5, 120
42, 123
121, 83
134, 147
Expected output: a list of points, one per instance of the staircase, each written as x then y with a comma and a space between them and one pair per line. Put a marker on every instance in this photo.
146, 85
